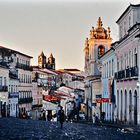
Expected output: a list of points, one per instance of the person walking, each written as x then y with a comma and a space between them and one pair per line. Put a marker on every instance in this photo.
93, 118
61, 116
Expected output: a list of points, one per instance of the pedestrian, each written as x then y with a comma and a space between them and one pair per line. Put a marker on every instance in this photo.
61, 116
28, 114
93, 118
103, 116
97, 118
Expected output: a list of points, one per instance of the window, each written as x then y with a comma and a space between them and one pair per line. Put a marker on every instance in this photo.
0, 81
121, 62
4, 81
124, 27
129, 58
13, 106
112, 67
12, 88
101, 51
129, 21
109, 68
125, 61
105, 70
120, 31
135, 58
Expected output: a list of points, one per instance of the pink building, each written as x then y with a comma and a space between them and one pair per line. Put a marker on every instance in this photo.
127, 64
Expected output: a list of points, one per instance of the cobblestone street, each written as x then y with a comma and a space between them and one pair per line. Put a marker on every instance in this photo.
13, 129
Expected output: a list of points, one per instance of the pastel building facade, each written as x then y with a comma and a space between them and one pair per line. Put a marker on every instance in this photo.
127, 73
108, 84
4, 81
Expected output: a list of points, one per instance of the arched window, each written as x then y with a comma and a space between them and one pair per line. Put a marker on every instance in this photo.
101, 51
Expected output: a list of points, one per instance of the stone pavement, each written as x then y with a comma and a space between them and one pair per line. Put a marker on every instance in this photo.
18, 129
127, 127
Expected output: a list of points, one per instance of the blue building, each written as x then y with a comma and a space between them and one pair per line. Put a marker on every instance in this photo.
108, 84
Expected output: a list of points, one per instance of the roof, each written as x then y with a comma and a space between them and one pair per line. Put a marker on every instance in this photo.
48, 71
1, 47
127, 9
137, 36
72, 69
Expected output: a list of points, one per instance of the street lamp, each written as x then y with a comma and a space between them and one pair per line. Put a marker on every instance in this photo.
1, 99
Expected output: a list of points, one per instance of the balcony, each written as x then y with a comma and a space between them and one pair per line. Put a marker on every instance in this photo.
134, 71
13, 94
24, 67
3, 88
13, 76
25, 100
37, 106
129, 73
4, 64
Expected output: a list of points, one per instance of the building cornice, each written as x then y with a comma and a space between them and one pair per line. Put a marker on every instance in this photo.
127, 9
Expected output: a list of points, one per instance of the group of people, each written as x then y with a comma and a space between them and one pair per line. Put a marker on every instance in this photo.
60, 116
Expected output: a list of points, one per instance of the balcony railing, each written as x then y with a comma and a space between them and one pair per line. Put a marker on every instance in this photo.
37, 106
128, 73
4, 64
134, 71
23, 66
13, 76
25, 100
3, 88
13, 94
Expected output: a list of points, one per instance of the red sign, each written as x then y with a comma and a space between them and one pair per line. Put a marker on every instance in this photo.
100, 100
51, 98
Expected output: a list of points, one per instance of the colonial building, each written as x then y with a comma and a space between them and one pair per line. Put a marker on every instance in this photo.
19, 68
127, 73
4, 81
13, 96
43, 63
44, 83
108, 84
98, 43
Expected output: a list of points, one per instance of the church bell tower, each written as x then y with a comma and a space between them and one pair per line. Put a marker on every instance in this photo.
42, 60
98, 43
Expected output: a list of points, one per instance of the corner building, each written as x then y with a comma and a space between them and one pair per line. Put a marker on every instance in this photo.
127, 67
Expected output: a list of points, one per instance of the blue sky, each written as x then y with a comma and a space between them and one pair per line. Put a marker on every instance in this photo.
56, 26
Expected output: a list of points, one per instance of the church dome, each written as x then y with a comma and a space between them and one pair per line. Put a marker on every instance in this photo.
99, 32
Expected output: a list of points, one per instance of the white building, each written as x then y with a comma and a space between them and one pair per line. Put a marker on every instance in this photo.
13, 96
19, 67
4, 81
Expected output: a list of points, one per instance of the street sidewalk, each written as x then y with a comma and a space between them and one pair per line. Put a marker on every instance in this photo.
123, 127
